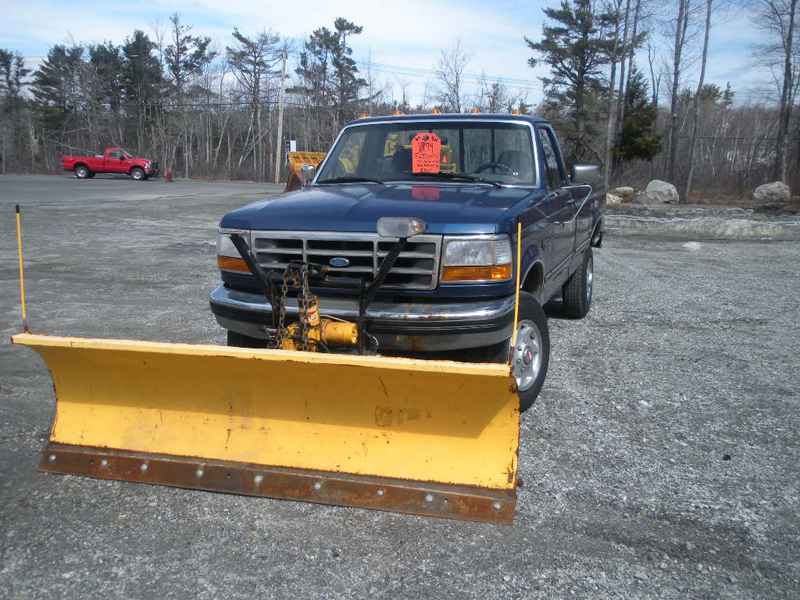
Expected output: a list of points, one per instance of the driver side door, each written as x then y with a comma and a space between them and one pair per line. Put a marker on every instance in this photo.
558, 205
115, 162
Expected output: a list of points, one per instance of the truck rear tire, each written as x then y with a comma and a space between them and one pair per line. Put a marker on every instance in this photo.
577, 291
531, 356
82, 172
239, 340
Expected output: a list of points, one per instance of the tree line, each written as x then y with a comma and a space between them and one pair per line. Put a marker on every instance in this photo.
204, 110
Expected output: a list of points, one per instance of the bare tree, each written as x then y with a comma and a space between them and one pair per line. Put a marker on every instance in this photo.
681, 36
450, 73
693, 139
614, 11
778, 19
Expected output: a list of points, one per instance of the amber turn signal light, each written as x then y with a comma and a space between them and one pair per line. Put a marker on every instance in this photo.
495, 273
227, 263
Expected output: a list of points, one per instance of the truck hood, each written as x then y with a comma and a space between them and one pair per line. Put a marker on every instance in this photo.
450, 208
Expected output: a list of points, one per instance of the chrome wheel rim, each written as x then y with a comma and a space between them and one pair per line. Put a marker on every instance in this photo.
589, 278
526, 358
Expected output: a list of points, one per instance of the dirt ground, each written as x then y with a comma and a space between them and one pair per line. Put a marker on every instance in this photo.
661, 460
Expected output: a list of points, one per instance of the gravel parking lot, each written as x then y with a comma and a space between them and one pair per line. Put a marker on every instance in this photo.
661, 460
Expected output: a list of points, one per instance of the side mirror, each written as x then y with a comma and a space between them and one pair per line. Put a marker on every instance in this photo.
584, 174
122, 158
401, 227
307, 174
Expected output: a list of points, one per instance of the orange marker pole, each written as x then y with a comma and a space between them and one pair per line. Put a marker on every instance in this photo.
516, 299
21, 276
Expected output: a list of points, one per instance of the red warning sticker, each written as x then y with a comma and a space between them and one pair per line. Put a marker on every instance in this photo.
426, 152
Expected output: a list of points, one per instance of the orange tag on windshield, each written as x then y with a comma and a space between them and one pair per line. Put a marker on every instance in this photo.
426, 152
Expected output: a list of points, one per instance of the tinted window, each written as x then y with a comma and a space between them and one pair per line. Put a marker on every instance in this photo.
115, 154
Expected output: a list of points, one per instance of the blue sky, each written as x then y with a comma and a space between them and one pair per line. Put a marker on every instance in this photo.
405, 33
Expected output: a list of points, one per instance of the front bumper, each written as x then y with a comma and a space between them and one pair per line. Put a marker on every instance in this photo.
415, 326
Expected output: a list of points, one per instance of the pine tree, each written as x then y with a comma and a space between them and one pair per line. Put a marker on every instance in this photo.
56, 87
141, 73
185, 59
252, 61
575, 46
636, 138
105, 63
329, 79
12, 77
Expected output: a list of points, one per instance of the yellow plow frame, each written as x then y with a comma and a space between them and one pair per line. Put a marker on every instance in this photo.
435, 438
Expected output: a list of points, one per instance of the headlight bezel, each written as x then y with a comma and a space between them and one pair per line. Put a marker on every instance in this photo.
227, 255
496, 268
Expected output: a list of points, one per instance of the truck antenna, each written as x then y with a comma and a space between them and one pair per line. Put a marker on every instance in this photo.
21, 275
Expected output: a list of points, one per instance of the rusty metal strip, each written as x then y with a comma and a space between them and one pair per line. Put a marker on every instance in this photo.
396, 495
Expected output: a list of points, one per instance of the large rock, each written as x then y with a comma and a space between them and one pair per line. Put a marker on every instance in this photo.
659, 192
777, 191
627, 194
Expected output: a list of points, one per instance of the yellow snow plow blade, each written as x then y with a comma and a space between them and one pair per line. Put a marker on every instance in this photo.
427, 437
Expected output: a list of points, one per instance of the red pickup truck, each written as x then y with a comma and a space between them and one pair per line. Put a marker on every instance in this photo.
115, 160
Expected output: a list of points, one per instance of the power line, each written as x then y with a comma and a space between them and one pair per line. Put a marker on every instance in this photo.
432, 74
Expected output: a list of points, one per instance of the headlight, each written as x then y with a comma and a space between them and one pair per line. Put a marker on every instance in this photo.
228, 258
487, 258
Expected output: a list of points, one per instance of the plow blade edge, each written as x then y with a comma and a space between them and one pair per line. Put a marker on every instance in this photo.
436, 438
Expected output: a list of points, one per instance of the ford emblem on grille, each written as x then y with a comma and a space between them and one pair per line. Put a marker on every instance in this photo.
339, 261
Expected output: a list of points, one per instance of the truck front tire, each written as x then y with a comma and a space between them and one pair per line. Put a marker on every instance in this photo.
137, 174
577, 291
530, 357
82, 172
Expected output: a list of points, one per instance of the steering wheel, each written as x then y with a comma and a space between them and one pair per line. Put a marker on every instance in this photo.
493, 165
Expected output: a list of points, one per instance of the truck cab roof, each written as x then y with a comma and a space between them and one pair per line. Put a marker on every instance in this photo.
452, 117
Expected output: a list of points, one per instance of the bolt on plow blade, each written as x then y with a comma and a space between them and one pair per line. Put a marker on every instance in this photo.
434, 438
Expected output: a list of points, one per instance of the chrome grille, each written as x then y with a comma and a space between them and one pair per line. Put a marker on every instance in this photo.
417, 267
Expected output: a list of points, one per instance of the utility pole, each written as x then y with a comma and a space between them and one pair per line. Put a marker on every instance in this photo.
279, 140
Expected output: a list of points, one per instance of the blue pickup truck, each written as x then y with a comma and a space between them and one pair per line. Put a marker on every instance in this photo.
451, 288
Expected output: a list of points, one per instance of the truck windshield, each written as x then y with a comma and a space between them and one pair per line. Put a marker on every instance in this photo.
492, 151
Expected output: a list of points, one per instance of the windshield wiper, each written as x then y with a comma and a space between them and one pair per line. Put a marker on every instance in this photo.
351, 180
447, 175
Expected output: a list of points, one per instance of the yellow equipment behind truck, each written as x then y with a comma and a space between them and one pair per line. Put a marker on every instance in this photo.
436, 438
